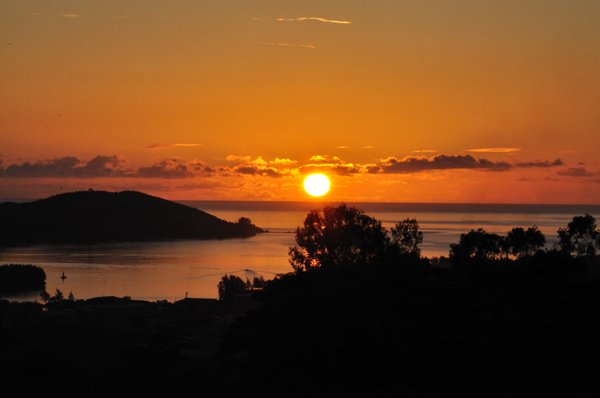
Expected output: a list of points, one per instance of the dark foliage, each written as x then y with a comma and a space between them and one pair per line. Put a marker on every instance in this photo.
58, 296
97, 216
580, 237
485, 326
520, 242
479, 245
106, 347
336, 236
21, 278
229, 286
346, 235
407, 237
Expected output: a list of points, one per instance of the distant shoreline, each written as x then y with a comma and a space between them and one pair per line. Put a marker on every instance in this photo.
392, 207
380, 207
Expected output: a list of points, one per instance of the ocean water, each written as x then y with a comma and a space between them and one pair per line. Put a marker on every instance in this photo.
170, 270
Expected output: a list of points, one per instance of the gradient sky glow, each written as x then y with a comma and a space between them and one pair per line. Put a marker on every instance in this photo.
400, 101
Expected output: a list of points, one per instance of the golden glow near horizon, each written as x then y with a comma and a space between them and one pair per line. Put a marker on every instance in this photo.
428, 101
316, 185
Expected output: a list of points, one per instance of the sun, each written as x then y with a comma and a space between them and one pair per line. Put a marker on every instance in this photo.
316, 185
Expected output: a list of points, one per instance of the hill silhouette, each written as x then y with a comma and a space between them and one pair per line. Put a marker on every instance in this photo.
99, 216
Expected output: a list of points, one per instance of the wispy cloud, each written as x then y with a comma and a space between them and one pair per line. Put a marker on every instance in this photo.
283, 161
174, 169
337, 169
575, 172
538, 163
391, 182
495, 150
259, 161
156, 145
413, 164
342, 147
318, 158
238, 158
101, 166
71, 15
257, 170
424, 151
68, 167
106, 167
312, 19
289, 45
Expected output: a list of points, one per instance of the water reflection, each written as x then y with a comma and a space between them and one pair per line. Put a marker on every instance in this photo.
153, 271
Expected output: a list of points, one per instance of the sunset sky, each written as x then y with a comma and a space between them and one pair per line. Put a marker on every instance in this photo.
397, 101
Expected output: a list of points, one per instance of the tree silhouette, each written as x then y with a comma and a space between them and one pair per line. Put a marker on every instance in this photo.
244, 221
58, 296
478, 245
44, 297
339, 236
580, 236
258, 282
229, 286
407, 237
520, 242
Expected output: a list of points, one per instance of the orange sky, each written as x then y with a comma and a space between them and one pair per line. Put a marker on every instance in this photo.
402, 101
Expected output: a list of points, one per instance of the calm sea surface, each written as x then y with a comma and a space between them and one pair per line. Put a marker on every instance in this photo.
169, 270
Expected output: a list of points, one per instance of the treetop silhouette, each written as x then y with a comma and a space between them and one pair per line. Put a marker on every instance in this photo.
580, 237
346, 235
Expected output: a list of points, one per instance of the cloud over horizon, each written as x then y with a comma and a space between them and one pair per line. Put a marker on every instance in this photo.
412, 164
283, 161
495, 150
156, 145
317, 158
256, 170
68, 166
312, 19
337, 169
174, 168
289, 45
538, 163
575, 172
177, 168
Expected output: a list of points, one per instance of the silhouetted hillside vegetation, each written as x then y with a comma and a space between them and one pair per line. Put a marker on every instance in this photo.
361, 314
364, 315
97, 216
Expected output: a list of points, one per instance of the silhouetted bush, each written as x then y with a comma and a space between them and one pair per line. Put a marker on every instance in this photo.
580, 236
229, 286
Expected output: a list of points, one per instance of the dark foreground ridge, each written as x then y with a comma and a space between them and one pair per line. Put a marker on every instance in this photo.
98, 216
111, 347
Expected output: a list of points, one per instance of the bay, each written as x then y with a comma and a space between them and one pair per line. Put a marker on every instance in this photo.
169, 270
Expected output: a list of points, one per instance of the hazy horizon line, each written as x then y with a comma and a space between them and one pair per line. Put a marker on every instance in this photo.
321, 203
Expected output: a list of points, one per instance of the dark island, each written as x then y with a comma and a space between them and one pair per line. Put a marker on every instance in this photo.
98, 216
